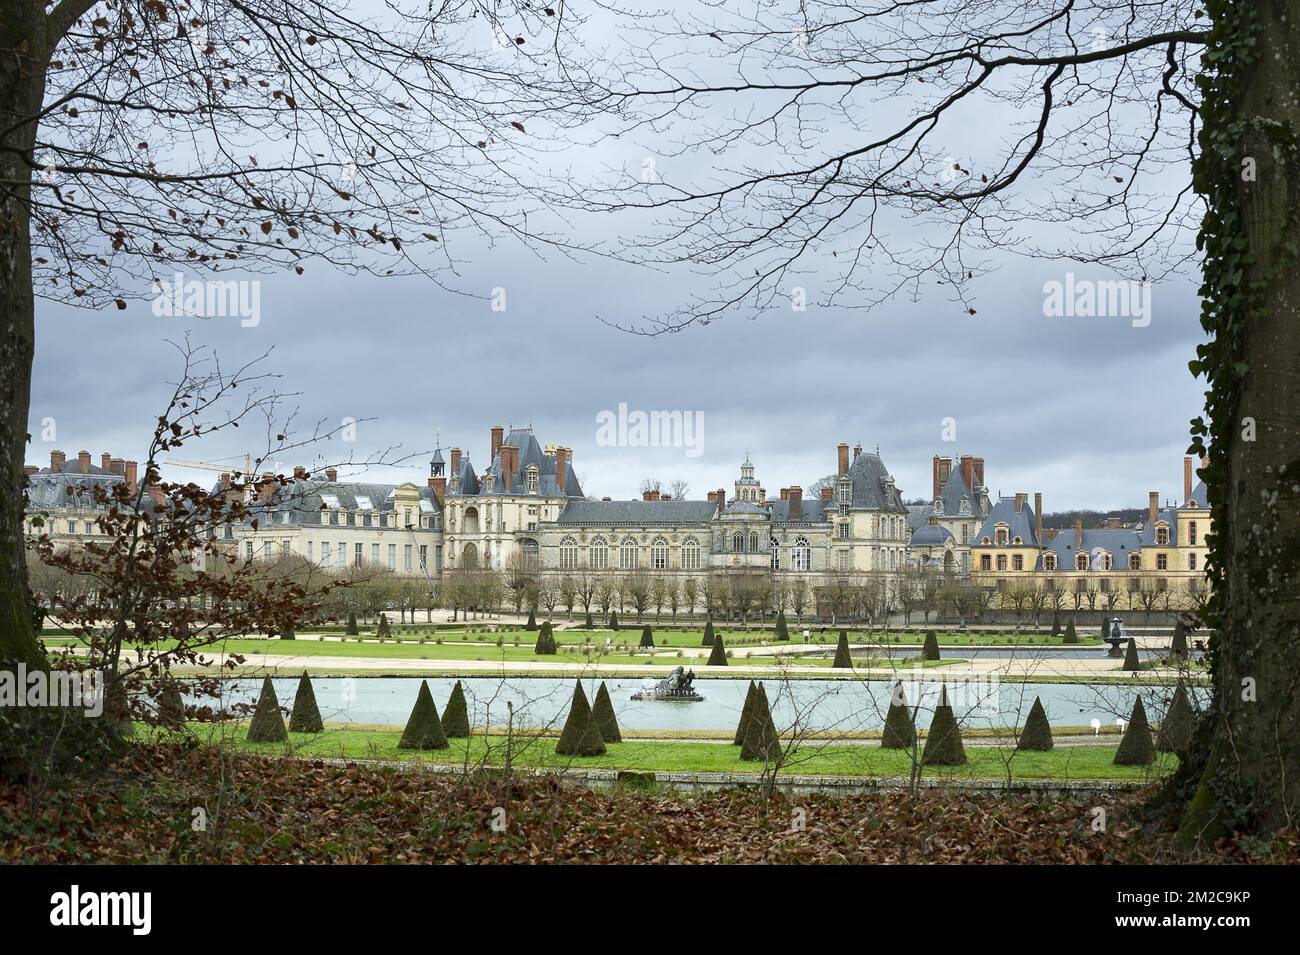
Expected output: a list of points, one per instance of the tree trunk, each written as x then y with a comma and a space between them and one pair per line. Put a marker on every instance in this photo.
1251, 779
22, 81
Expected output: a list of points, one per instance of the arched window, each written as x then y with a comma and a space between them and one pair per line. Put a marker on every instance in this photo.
470, 525
753, 542
659, 554
469, 557
568, 554
599, 553
529, 550
627, 554
775, 549
801, 555
690, 554
738, 542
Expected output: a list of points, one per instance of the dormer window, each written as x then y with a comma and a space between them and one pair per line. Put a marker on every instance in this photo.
1017, 541
1001, 534
964, 506
938, 505
1162, 535
1049, 562
532, 479
846, 492
1080, 561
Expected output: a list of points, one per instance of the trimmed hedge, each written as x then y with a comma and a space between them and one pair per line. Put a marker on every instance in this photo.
1136, 748
761, 742
1071, 635
708, 633
267, 725
647, 636
900, 731
1131, 661
532, 621
603, 715
1179, 646
580, 736
613, 620
455, 715
943, 745
746, 712
842, 657
930, 649
305, 716
718, 655
1175, 734
546, 640
1036, 735
423, 728
782, 632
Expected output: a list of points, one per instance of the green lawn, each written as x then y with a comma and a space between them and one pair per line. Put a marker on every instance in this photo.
1078, 763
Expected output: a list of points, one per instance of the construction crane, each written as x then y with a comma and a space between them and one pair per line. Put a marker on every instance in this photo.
205, 466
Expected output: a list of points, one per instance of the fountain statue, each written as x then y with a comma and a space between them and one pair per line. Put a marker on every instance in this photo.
679, 686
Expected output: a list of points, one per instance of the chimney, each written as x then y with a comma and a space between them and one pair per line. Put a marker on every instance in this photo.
225, 480
1153, 507
1038, 517
722, 500
439, 485
857, 450
30, 469
56, 460
844, 459
331, 475
155, 492
105, 460
762, 495
299, 473
785, 494
83, 462
561, 467
1187, 480
665, 497
505, 473
942, 471
1078, 533
1113, 523
713, 497
117, 466
1021, 496
130, 470
827, 493
968, 473
455, 462
266, 487
498, 434
1051, 533
934, 474
796, 500
645, 496
979, 472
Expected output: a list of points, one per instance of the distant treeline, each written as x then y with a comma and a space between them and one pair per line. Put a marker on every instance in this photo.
1066, 519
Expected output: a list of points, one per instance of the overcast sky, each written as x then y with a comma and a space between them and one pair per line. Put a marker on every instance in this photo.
1092, 412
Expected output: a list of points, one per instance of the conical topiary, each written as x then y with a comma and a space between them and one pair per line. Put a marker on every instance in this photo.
288, 635
532, 621
423, 728
613, 620
943, 745
746, 712
546, 640
383, 631
171, 707
1131, 661
602, 713
647, 637
761, 741
455, 715
930, 649
305, 717
351, 628
900, 731
782, 632
718, 655
842, 657
1071, 635
708, 633
1056, 626
1179, 645
267, 725
1136, 748
1176, 728
580, 736
1037, 732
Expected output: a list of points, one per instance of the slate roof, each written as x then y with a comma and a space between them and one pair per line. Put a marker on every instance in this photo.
931, 535
49, 489
606, 513
1119, 542
868, 473
952, 493
1170, 516
812, 511
300, 502
1021, 525
530, 453
1200, 495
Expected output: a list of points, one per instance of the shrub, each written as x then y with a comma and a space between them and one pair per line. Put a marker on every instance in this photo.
647, 637
943, 745
746, 712
930, 649
1179, 645
1056, 626
1175, 734
287, 635
455, 716
782, 632
1136, 749
383, 631
351, 629
708, 633
613, 620
305, 716
900, 731
1037, 732
842, 658
546, 640
1131, 661
532, 621
267, 725
602, 713
718, 655
761, 741
423, 728
580, 736
1071, 635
